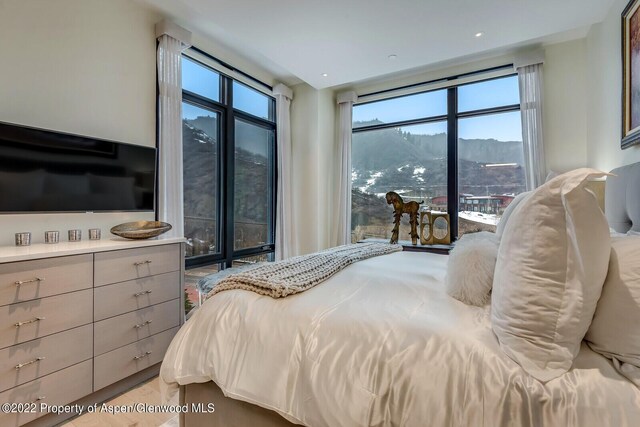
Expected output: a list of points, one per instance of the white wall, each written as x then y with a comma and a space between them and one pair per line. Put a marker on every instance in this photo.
313, 151
604, 88
565, 105
80, 66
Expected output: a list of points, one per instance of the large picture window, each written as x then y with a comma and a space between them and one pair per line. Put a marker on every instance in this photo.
458, 150
229, 167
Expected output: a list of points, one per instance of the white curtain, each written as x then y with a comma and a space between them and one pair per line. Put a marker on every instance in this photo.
170, 200
285, 243
343, 221
531, 102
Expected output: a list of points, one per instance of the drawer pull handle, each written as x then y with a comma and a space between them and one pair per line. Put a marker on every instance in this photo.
22, 365
140, 325
39, 398
148, 261
22, 282
139, 294
26, 322
146, 353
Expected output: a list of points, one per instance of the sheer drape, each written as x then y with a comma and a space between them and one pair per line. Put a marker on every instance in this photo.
343, 220
531, 88
285, 243
170, 199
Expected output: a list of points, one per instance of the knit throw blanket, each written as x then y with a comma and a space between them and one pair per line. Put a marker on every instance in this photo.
297, 274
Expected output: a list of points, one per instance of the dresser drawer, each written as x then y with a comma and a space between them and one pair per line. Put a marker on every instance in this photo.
120, 298
60, 388
124, 361
130, 327
45, 316
27, 280
26, 362
128, 264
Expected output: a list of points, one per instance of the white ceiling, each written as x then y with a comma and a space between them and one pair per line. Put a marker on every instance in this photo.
351, 40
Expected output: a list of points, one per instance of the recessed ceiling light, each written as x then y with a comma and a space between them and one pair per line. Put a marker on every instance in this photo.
479, 34
325, 75
393, 57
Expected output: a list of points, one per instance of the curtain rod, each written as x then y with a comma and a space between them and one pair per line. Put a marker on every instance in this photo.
440, 80
231, 67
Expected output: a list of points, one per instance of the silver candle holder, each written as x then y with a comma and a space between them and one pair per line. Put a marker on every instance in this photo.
94, 234
51, 237
75, 235
23, 239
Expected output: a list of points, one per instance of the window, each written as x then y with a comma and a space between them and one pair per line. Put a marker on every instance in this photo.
254, 194
201, 154
490, 168
410, 160
253, 102
405, 108
229, 167
405, 144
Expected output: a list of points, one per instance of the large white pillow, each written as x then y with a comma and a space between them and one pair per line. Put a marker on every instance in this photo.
551, 265
507, 212
615, 329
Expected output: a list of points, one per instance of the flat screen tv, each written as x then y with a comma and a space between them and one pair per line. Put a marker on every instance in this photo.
46, 171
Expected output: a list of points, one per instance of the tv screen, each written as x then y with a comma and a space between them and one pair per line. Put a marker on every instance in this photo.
46, 171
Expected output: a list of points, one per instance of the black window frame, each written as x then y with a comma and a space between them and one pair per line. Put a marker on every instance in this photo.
452, 117
226, 169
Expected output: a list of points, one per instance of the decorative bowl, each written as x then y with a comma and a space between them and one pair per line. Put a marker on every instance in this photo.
141, 229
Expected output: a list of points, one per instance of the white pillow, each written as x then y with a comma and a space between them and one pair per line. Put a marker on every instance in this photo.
507, 212
615, 329
551, 265
470, 268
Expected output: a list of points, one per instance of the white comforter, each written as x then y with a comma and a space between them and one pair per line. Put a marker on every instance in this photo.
381, 344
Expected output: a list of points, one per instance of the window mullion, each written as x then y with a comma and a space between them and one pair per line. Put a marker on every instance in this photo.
229, 175
452, 161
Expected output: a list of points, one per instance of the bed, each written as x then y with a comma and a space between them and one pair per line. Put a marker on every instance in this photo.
382, 344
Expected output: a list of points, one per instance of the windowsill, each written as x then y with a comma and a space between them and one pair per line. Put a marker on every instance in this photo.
409, 247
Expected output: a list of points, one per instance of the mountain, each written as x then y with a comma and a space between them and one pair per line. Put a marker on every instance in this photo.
200, 154
415, 166
392, 160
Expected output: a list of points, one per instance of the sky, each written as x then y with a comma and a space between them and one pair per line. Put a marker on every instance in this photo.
492, 93
206, 82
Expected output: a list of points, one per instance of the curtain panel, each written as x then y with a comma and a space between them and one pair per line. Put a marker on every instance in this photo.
531, 103
343, 220
170, 198
285, 242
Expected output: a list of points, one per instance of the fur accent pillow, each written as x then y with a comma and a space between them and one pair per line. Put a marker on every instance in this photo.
470, 268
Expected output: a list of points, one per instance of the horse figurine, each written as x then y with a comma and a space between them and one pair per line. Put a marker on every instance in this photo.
400, 208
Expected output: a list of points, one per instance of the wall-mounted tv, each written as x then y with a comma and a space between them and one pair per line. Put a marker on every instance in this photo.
46, 171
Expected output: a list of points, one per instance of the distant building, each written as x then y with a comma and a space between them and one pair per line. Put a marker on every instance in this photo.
494, 204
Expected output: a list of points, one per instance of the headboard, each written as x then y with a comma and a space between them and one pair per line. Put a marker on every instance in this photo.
622, 198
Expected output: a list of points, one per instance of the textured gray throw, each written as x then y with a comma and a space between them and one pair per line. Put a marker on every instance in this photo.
297, 274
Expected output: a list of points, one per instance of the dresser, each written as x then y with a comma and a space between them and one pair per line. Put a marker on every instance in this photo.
79, 318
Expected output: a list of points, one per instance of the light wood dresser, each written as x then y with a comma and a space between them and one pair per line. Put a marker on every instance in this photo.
83, 321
